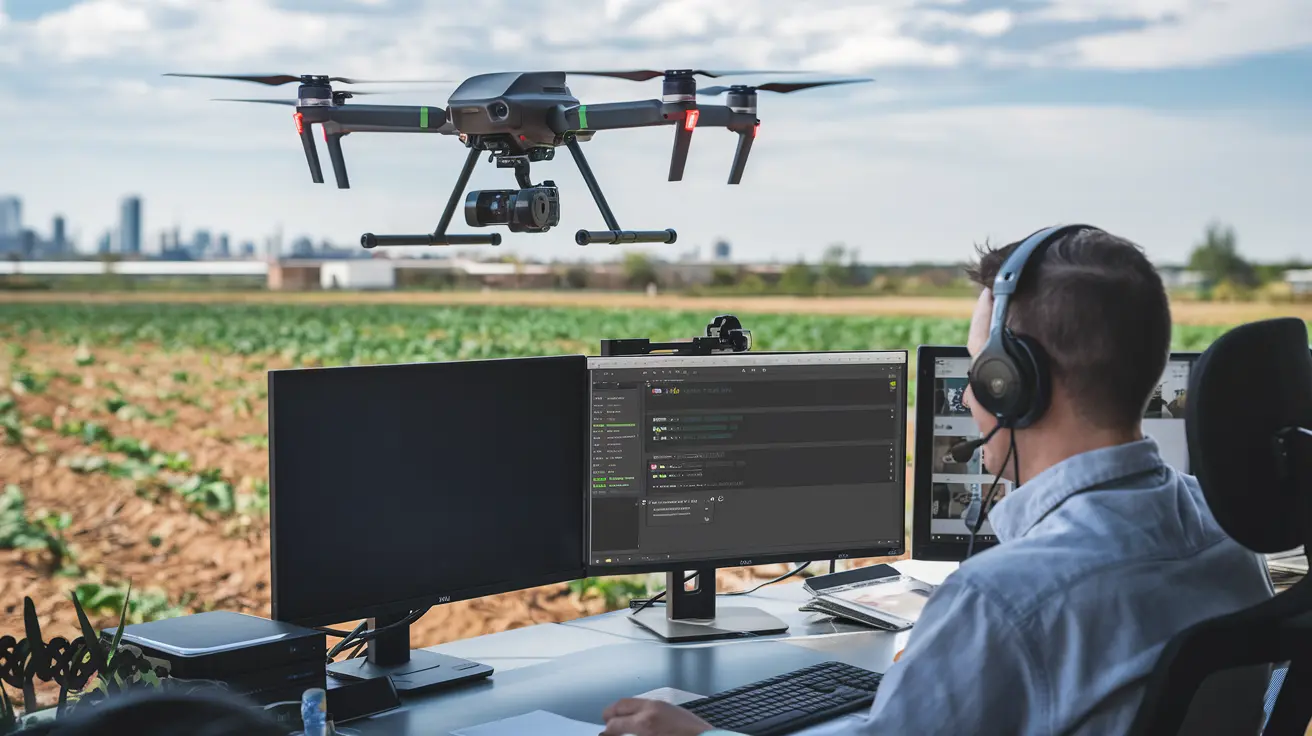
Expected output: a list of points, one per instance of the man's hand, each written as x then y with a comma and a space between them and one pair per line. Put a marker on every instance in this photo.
641, 717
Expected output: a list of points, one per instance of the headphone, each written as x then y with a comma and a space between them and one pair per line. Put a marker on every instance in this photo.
1010, 377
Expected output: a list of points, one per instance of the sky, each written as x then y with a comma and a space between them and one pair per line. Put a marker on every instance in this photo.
987, 120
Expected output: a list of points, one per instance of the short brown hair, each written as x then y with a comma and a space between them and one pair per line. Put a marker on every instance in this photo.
1098, 307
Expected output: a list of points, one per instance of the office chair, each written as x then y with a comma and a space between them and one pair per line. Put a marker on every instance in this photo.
1249, 427
152, 713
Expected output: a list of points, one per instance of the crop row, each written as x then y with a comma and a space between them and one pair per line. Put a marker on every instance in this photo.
362, 334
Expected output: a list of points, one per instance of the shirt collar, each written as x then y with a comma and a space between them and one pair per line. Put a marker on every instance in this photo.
1018, 512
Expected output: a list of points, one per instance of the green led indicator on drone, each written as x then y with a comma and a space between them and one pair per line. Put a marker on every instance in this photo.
423, 117
583, 117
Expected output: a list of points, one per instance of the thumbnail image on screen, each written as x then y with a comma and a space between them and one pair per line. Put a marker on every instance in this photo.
735, 458
959, 488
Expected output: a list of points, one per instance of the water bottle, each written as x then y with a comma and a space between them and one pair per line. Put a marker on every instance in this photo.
314, 712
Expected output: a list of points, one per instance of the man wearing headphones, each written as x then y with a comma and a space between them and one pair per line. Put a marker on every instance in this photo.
1105, 551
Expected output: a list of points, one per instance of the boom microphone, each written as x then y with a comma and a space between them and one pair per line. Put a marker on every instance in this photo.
963, 451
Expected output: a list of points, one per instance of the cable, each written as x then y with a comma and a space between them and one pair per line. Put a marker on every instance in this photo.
346, 641
658, 596
984, 505
412, 617
785, 576
359, 639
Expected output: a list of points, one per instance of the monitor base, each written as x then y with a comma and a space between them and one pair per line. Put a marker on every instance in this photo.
728, 623
422, 671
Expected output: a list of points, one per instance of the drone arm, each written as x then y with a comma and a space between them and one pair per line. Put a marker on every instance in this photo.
311, 152
607, 116
389, 119
333, 137
743, 123
745, 139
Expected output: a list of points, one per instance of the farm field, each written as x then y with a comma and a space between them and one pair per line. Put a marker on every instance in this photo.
1184, 312
133, 444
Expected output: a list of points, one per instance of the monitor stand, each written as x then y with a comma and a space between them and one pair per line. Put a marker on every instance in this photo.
690, 615
389, 655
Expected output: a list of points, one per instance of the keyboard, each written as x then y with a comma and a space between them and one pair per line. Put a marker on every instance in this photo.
791, 701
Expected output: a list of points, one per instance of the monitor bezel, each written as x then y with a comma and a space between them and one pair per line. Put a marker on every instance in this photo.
392, 608
831, 553
922, 548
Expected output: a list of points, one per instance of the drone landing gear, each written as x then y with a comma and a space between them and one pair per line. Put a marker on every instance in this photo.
440, 236
614, 234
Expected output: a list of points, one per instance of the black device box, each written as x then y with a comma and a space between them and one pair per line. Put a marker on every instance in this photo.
249, 654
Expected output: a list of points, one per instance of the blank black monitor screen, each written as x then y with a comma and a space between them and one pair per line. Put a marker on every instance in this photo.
399, 486
746, 459
948, 495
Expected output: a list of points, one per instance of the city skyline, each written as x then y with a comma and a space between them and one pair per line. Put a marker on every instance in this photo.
988, 119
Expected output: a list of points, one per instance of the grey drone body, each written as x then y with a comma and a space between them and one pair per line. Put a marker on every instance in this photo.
520, 118
511, 105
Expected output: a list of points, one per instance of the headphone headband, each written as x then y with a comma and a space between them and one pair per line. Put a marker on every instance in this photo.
1009, 377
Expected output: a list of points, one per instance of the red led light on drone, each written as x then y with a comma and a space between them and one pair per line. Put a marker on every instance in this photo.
300, 122
690, 120
756, 129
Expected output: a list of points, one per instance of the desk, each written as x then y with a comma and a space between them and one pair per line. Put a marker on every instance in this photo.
577, 668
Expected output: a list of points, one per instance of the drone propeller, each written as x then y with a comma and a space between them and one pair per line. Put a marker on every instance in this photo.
643, 75
292, 103
274, 80
781, 87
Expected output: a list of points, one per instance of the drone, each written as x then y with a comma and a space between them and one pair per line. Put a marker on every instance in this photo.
521, 118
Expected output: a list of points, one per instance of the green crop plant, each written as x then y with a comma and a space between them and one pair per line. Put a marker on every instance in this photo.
42, 531
389, 333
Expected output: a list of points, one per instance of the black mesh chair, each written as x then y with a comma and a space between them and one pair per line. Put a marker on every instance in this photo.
1249, 427
152, 713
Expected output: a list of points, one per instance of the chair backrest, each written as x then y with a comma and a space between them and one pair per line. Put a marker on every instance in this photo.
1249, 402
169, 714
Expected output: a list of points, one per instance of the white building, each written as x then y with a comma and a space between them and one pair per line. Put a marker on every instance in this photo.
358, 273
1300, 281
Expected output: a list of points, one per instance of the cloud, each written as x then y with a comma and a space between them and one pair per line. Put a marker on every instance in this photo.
923, 157
1201, 33
390, 36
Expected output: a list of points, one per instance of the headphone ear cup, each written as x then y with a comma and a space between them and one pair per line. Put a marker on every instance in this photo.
1032, 361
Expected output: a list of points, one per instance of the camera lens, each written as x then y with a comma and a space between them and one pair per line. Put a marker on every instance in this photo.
498, 110
541, 209
490, 207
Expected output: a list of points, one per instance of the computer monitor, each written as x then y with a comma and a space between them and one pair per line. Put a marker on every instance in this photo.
398, 487
947, 495
699, 462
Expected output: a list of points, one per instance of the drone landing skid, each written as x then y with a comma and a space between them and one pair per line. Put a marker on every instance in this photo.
440, 236
613, 235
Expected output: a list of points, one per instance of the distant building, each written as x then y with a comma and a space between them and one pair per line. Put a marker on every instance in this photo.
11, 217
1300, 282
224, 248
11, 224
371, 273
129, 226
722, 250
58, 235
106, 244
200, 243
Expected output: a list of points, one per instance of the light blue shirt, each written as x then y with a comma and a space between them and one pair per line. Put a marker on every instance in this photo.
1102, 559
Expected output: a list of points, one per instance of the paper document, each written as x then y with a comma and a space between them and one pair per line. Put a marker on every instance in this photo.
538, 723
670, 695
